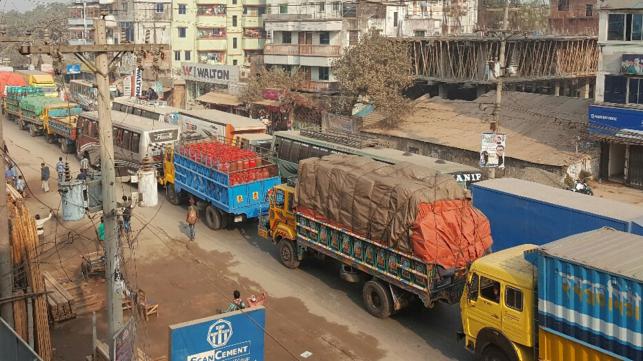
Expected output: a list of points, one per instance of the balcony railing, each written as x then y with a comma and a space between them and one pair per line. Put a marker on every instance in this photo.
318, 86
302, 50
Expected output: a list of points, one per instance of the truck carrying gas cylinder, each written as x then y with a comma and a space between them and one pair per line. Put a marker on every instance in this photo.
408, 228
231, 182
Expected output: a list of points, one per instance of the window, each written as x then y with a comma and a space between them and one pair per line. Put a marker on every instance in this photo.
322, 7
177, 55
234, 20
472, 288
283, 8
188, 55
280, 197
235, 62
234, 43
324, 38
323, 73
420, 33
395, 19
637, 27
159, 8
261, 10
513, 298
563, 5
490, 289
210, 33
135, 145
336, 5
615, 86
635, 94
615, 26
589, 10
290, 203
234, 2
183, 31
286, 37
183, 9
353, 37
283, 148
211, 10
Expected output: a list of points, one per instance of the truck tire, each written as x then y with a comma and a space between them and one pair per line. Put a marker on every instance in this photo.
171, 195
23, 125
288, 254
377, 299
213, 218
51, 139
492, 353
33, 131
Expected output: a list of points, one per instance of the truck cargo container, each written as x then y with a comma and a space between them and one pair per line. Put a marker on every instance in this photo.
577, 298
11, 103
231, 183
394, 273
527, 212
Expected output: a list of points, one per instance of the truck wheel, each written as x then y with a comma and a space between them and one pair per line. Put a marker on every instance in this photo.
287, 254
32, 130
492, 353
377, 299
51, 139
213, 218
171, 195
23, 125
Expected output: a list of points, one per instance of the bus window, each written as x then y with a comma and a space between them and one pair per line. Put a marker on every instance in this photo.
304, 151
294, 152
284, 149
93, 126
137, 111
127, 138
135, 144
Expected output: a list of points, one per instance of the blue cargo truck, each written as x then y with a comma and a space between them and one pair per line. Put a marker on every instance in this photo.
526, 212
225, 198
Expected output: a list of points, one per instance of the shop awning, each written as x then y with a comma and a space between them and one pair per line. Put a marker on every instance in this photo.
219, 98
267, 102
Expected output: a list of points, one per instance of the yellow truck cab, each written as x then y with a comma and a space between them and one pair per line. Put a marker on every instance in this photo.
498, 307
280, 224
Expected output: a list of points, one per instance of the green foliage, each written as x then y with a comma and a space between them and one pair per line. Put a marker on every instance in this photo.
379, 69
273, 78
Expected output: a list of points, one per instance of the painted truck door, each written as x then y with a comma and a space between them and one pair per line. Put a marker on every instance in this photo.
515, 323
483, 304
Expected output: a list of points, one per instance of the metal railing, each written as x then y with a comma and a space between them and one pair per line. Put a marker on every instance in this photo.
302, 50
318, 86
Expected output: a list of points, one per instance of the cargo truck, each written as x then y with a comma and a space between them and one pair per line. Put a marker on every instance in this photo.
433, 269
35, 110
230, 183
519, 210
10, 79
577, 298
62, 130
11, 103
41, 80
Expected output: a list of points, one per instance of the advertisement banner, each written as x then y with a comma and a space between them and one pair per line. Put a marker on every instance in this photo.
230, 336
615, 122
216, 74
138, 83
492, 150
632, 64
72, 69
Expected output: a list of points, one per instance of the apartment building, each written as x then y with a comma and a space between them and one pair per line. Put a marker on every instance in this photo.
142, 21
80, 21
428, 18
217, 32
573, 17
616, 117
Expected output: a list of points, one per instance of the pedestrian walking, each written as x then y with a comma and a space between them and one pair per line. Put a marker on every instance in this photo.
44, 177
191, 219
237, 303
40, 223
60, 169
10, 175
101, 230
21, 185
84, 164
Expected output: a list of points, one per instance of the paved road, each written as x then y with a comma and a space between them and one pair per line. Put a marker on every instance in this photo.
309, 309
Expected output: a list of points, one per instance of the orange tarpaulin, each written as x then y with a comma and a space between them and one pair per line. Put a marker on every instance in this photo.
451, 233
10, 79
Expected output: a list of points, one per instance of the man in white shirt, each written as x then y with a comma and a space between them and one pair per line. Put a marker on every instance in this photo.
40, 223
84, 164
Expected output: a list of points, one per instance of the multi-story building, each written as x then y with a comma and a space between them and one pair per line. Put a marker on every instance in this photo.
573, 17
430, 18
80, 21
144, 21
616, 118
217, 32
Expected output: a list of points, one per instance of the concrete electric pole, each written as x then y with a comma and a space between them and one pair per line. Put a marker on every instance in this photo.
101, 68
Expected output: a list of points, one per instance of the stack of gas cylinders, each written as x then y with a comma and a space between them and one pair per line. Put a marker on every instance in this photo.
241, 165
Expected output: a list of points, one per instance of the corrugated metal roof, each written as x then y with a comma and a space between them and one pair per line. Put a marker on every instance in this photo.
595, 205
604, 249
237, 121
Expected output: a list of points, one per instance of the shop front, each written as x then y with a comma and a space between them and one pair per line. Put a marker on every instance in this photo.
620, 131
201, 79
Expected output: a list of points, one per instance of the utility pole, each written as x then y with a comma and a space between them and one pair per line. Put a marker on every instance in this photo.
101, 68
495, 123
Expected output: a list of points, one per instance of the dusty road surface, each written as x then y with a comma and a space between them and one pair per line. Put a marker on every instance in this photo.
309, 309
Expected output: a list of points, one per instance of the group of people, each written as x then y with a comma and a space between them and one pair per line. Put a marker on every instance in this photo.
12, 176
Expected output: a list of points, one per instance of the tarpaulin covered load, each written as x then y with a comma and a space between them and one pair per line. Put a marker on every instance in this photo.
391, 204
37, 104
10, 79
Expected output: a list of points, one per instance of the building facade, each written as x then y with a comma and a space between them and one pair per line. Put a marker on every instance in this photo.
429, 18
217, 32
81, 21
573, 17
616, 118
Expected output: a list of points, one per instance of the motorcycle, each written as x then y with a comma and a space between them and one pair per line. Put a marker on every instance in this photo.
580, 186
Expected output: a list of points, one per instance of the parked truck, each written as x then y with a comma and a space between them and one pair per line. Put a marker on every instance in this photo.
62, 130
354, 210
41, 80
36, 110
11, 103
231, 183
519, 210
577, 298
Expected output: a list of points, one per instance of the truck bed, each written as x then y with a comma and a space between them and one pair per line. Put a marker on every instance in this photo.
64, 127
249, 199
402, 270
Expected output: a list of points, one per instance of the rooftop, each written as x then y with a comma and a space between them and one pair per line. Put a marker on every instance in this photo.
540, 128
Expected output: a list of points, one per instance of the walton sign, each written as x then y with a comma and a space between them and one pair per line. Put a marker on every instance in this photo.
216, 74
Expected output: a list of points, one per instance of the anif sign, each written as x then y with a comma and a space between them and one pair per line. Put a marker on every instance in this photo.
232, 336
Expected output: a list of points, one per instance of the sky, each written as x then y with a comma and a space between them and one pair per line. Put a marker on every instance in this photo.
24, 5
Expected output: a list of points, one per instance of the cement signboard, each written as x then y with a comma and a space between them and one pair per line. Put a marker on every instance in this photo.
216, 74
231, 336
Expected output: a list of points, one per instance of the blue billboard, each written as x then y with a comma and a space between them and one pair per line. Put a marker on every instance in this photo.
613, 121
73, 69
232, 336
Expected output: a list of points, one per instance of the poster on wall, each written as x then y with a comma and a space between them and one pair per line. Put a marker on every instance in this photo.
632, 64
492, 150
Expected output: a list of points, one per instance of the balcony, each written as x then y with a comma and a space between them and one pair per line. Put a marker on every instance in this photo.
249, 21
253, 43
303, 50
212, 44
80, 22
318, 86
